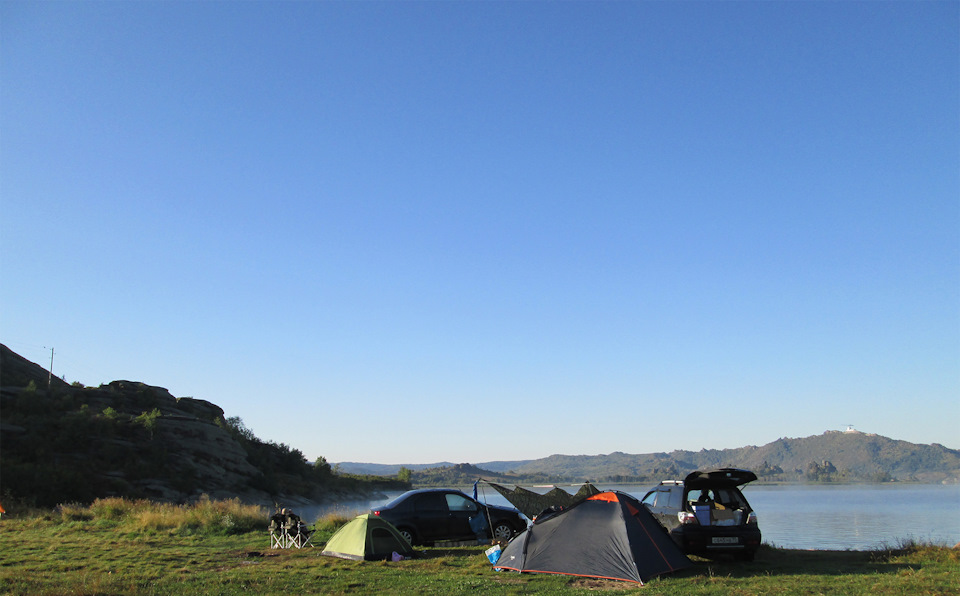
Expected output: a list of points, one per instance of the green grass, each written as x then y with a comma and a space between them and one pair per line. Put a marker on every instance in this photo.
119, 547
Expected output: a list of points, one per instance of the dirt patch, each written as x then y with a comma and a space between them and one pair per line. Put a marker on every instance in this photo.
506, 579
600, 584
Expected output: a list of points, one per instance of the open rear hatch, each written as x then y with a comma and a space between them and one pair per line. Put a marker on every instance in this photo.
719, 477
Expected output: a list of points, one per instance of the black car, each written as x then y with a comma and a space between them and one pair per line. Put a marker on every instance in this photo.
706, 514
434, 514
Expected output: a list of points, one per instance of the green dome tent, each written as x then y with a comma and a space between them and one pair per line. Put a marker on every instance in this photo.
367, 538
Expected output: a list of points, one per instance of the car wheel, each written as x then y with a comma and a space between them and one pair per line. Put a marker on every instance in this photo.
407, 534
503, 531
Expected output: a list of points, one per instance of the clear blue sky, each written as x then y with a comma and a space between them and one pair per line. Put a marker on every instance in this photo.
411, 232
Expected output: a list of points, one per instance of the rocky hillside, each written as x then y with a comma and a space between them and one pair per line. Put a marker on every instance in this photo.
834, 456
74, 443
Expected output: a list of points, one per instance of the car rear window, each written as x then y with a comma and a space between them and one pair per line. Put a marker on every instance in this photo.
729, 498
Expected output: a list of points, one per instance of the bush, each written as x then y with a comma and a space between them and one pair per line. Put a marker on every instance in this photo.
205, 516
331, 522
216, 517
115, 508
149, 420
75, 512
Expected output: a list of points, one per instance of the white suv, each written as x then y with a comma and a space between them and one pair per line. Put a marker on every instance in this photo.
706, 514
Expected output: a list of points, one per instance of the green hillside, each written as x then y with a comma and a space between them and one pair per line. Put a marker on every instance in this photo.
71, 443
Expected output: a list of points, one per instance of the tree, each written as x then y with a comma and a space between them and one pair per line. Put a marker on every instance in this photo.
322, 467
235, 426
148, 420
823, 471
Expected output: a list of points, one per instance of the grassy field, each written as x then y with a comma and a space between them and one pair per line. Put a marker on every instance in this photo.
118, 547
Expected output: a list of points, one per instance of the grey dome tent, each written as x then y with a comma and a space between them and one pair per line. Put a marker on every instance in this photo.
367, 537
609, 535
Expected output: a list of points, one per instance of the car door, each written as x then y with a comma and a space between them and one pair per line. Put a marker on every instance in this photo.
663, 504
430, 516
461, 508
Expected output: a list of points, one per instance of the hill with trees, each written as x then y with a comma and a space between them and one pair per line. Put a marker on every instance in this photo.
834, 456
65, 443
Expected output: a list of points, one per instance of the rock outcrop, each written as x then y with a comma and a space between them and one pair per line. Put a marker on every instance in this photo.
74, 443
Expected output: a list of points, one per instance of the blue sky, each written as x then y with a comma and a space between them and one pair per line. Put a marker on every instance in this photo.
410, 232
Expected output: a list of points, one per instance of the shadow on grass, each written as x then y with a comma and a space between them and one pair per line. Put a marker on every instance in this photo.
769, 561
775, 561
450, 552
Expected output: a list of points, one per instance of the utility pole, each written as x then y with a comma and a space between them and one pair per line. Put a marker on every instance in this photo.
50, 372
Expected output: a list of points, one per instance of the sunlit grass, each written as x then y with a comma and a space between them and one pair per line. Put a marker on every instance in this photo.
210, 516
123, 547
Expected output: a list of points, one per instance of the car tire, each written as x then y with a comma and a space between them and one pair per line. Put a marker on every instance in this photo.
407, 534
502, 531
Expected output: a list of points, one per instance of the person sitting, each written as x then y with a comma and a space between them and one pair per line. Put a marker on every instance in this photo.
705, 499
291, 522
276, 522
294, 526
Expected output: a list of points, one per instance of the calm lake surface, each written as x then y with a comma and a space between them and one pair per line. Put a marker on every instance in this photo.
820, 517
856, 517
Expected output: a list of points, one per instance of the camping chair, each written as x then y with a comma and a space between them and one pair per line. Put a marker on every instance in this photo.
301, 537
279, 537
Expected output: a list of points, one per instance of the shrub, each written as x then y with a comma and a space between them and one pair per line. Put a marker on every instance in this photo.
115, 508
331, 522
149, 420
217, 517
75, 512
205, 516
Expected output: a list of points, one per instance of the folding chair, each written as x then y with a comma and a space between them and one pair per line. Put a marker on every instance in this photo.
278, 539
302, 537
278, 533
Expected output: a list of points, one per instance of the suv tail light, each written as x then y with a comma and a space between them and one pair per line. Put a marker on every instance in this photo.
686, 518
752, 518
376, 513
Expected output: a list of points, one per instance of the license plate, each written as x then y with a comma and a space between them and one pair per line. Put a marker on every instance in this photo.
726, 540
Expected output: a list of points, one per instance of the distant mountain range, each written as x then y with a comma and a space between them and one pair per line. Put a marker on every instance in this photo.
353, 467
834, 456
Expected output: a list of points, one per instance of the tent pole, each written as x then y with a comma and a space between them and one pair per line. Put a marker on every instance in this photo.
486, 510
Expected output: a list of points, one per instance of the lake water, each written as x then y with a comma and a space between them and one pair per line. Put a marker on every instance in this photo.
856, 517
819, 517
